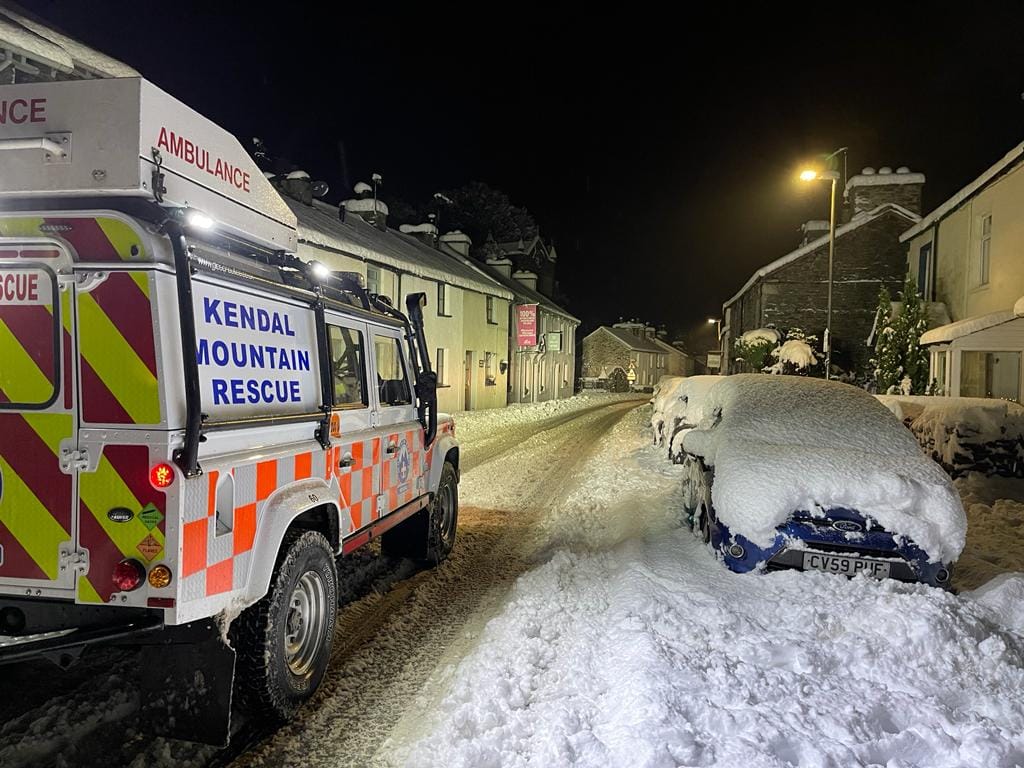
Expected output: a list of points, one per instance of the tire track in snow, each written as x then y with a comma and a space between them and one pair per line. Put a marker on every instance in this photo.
389, 647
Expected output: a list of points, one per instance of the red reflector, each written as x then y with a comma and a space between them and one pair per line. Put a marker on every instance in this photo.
160, 602
128, 575
161, 475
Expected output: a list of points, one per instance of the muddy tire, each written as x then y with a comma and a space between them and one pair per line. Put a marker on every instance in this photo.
284, 641
428, 536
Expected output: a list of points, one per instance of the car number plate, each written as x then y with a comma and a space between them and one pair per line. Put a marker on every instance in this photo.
848, 566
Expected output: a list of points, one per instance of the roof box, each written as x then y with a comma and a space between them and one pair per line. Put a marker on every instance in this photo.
105, 138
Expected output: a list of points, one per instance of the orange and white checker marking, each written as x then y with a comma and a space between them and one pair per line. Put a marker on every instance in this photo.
215, 555
358, 481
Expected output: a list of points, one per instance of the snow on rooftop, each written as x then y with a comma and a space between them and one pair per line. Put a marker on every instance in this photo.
414, 228
362, 188
297, 175
884, 177
961, 328
780, 444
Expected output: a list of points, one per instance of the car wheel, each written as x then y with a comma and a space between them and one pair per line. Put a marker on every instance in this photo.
284, 641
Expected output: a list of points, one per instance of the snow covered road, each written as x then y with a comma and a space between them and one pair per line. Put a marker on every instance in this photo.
577, 625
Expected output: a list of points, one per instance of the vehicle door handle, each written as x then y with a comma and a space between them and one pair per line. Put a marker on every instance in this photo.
391, 449
346, 460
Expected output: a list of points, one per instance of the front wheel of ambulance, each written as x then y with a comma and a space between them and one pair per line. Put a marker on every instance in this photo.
284, 641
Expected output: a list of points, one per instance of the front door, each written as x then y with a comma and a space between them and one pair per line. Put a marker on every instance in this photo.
468, 401
37, 426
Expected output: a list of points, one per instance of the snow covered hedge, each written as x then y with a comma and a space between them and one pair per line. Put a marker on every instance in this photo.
965, 434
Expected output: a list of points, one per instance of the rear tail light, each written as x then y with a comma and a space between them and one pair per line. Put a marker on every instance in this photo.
160, 577
129, 575
161, 475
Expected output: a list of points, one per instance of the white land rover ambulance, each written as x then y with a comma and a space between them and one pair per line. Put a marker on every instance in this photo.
194, 423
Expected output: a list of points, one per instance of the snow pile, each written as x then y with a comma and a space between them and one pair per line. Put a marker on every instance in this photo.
995, 522
965, 434
784, 443
650, 655
366, 204
1004, 597
472, 426
677, 404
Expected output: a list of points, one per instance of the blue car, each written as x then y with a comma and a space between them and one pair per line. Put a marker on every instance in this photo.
835, 534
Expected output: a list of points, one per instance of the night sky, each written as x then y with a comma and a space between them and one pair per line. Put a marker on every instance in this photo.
657, 149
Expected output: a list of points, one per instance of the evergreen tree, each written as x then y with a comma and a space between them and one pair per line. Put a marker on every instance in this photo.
900, 362
912, 322
886, 361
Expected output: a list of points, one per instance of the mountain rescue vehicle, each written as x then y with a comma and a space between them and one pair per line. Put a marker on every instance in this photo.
194, 423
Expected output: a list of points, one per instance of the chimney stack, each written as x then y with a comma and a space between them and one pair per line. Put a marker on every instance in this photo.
458, 241
870, 189
526, 278
425, 233
366, 206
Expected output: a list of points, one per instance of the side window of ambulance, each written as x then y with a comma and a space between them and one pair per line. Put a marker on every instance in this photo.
392, 382
347, 367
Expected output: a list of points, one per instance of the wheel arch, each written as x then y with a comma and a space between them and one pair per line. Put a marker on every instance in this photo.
305, 506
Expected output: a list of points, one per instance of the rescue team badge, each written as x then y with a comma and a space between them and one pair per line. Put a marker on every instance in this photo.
404, 461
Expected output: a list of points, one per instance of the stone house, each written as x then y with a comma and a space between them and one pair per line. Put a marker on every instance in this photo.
792, 291
631, 347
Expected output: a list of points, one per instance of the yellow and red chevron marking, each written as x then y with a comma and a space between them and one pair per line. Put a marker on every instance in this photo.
118, 352
121, 480
35, 495
102, 239
35, 500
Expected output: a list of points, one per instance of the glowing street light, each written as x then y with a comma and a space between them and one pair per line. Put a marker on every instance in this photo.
717, 321
833, 176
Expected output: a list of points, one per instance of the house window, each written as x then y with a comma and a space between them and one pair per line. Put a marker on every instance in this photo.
924, 272
490, 311
489, 377
990, 374
984, 251
442, 300
373, 279
441, 365
939, 372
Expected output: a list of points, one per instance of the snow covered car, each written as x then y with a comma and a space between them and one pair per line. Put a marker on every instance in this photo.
678, 405
791, 472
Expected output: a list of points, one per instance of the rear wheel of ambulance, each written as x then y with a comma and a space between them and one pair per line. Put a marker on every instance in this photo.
429, 536
284, 640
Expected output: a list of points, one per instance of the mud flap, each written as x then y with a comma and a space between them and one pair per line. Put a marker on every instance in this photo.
186, 691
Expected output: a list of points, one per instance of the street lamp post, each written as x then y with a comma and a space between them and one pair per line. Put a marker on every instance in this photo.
718, 325
833, 176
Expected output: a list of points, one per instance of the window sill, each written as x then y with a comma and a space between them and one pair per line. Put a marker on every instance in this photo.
444, 386
442, 314
492, 322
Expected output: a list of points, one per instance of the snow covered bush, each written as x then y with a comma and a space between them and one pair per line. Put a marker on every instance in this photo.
796, 355
965, 434
754, 347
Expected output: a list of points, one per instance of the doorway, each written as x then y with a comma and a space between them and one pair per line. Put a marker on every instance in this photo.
468, 401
